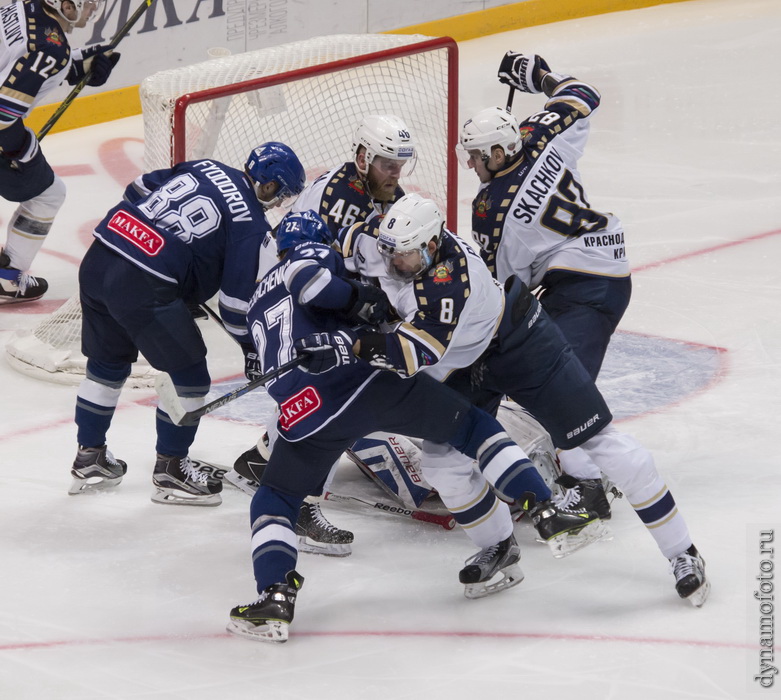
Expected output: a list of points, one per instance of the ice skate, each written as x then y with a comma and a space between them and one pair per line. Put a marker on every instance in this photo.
185, 481
17, 286
565, 527
492, 569
95, 469
591, 494
248, 468
268, 618
689, 571
317, 536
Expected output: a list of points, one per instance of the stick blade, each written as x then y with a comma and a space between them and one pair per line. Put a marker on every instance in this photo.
169, 399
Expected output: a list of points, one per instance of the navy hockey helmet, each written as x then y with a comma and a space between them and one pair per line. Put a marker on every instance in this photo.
275, 162
300, 227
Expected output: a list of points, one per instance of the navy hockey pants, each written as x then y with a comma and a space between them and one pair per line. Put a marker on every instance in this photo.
531, 362
587, 309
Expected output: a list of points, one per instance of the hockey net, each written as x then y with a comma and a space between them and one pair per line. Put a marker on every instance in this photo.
308, 94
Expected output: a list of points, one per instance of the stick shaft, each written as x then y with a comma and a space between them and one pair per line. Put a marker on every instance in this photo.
73, 94
445, 521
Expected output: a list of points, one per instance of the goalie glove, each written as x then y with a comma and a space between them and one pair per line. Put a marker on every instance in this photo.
323, 352
369, 304
98, 61
522, 72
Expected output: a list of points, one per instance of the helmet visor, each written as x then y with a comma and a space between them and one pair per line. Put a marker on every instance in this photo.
392, 167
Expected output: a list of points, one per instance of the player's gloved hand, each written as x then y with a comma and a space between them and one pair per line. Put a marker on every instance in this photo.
323, 352
252, 368
369, 304
98, 60
523, 72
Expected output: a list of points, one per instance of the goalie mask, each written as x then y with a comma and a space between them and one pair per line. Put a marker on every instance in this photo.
275, 162
388, 143
301, 227
77, 13
404, 236
490, 127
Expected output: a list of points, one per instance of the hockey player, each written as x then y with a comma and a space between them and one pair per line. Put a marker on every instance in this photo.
303, 306
179, 236
383, 149
532, 219
455, 315
35, 57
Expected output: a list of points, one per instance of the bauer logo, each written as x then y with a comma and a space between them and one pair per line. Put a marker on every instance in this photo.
138, 233
299, 406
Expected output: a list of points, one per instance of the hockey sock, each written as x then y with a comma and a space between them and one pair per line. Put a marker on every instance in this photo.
274, 543
501, 461
192, 384
97, 400
30, 224
659, 513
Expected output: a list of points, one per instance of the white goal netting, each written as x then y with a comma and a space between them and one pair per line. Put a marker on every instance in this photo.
310, 95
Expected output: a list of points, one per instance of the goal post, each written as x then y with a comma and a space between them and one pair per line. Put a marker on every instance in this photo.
308, 94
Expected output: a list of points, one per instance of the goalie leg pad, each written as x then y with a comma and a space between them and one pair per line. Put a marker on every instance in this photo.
394, 463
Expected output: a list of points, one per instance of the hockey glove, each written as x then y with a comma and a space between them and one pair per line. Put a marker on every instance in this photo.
252, 367
369, 304
323, 352
98, 61
522, 72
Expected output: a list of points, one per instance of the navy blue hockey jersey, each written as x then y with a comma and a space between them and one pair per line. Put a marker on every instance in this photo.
198, 225
296, 298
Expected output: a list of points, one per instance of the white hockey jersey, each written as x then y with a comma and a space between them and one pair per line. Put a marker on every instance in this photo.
534, 217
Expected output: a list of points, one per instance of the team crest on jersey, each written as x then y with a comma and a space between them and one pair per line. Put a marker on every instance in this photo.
483, 205
357, 184
442, 273
53, 36
526, 132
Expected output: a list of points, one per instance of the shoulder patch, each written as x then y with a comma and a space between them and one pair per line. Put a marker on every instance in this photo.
442, 273
54, 36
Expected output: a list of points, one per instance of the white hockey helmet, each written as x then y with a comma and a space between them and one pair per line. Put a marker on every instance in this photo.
77, 12
490, 127
388, 136
405, 232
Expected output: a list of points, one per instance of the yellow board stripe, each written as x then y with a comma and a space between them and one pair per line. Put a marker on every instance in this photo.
125, 102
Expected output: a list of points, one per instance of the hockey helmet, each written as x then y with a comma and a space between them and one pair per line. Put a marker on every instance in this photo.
77, 12
275, 162
386, 136
490, 127
300, 227
404, 234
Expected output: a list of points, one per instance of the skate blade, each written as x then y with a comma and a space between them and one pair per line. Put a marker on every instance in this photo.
570, 542
511, 576
181, 498
326, 549
235, 479
272, 631
700, 595
94, 484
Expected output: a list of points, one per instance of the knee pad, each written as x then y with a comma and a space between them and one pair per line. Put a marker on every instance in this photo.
44, 207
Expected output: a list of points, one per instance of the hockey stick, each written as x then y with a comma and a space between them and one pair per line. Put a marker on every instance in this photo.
510, 97
445, 521
74, 93
170, 403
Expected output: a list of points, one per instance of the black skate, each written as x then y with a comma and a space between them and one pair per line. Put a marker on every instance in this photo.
689, 571
185, 481
317, 536
248, 468
591, 494
565, 528
95, 469
487, 564
16, 286
268, 618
